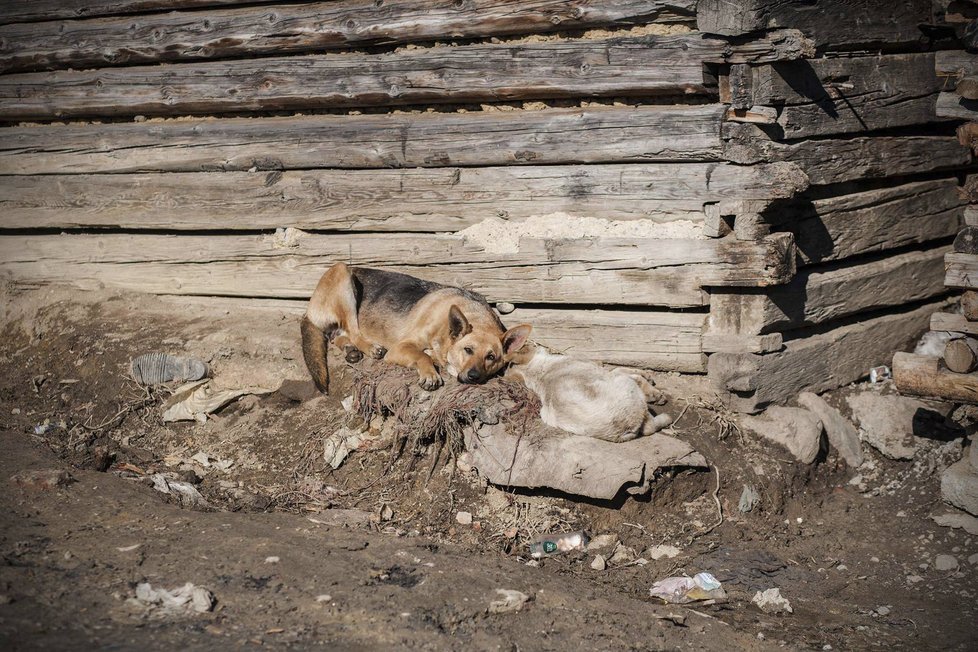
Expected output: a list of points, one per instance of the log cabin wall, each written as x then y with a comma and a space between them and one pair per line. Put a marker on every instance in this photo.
791, 153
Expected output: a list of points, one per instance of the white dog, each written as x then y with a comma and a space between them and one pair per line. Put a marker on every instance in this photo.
587, 399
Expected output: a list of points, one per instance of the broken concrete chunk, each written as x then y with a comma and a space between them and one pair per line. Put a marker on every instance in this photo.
959, 486
662, 551
841, 434
796, 429
602, 542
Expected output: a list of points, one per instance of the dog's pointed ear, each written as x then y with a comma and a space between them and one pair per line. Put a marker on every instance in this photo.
458, 325
515, 338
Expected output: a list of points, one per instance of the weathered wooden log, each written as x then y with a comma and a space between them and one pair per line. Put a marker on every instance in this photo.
961, 271
636, 66
304, 28
952, 105
879, 92
969, 305
971, 215
750, 382
833, 160
832, 23
819, 295
966, 242
647, 339
921, 375
608, 271
961, 355
15, 11
873, 220
967, 88
954, 65
953, 322
483, 138
440, 199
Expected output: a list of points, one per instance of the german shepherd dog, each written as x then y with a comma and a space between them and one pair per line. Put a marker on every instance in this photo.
407, 321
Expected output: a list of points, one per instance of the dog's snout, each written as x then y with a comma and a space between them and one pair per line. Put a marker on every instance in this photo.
473, 375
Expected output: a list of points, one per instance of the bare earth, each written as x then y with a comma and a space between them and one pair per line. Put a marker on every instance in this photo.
857, 563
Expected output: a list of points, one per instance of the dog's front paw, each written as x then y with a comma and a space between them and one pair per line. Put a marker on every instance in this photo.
430, 381
353, 354
377, 351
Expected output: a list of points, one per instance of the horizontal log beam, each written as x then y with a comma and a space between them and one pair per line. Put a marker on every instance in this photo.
592, 135
820, 295
848, 95
305, 28
749, 383
961, 271
922, 375
953, 65
668, 341
842, 24
834, 160
874, 220
441, 199
645, 66
606, 271
17, 11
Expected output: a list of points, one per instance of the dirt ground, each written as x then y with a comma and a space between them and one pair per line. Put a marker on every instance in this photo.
373, 553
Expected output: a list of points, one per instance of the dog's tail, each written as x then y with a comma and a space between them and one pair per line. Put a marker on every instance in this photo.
314, 343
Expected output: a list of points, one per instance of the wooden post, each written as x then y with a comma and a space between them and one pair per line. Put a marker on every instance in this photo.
921, 375
961, 355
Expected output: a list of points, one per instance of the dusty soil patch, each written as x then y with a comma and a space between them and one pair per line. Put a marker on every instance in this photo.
857, 563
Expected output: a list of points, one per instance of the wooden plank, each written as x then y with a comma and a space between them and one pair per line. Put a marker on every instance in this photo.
848, 95
971, 215
834, 160
303, 28
439, 199
748, 383
668, 341
831, 23
646, 66
823, 294
874, 220
921, 375
607, 271
961, 271
627, 134
952, 105
953, 322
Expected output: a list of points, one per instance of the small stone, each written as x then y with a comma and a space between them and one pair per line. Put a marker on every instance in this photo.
603, 542
660, 551
504, 307
826, 647
841, 567
325, 597
464, 462
883, 610
42, 479
622, 555
463, 518
386, 513
272, 560
875, 560
914, 579
599, 563
973, 560
15, 411
901, 514
509, 601
771, 601
945, 563
749, 499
